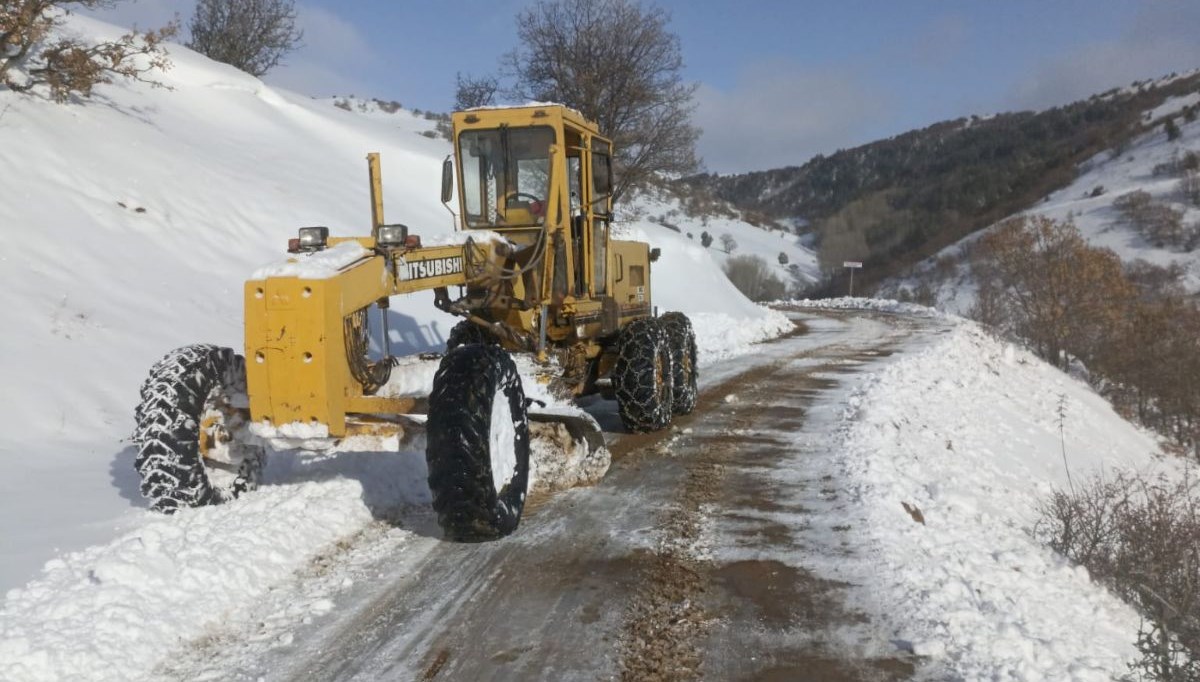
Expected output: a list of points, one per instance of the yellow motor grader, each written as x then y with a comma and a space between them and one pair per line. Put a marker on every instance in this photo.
531, 269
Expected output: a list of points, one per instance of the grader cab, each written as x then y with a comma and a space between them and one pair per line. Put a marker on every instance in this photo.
531, 269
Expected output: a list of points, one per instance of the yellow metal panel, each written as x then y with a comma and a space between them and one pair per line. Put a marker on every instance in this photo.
623, 256
376, 191
427, 268
371, 404
295, 344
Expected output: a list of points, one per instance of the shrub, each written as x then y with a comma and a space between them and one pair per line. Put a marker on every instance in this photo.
1171, 129
66, 67
753, 277
1157, 222
1141, 539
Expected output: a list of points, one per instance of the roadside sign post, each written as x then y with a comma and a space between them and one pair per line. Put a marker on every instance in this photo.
852, 265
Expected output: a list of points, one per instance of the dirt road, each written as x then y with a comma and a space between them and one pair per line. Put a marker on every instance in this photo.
713, 550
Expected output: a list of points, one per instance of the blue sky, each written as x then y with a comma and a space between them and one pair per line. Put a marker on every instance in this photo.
778, 81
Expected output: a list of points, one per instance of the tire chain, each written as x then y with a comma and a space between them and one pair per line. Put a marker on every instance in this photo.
466, 332
643, 402
168, 431
683, 361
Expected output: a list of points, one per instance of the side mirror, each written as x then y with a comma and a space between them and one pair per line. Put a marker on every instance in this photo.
447, 180
654, 254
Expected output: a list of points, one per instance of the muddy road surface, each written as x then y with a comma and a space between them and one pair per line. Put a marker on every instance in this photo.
714, 550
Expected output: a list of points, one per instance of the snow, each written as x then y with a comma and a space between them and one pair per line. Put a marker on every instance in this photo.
966, 432
316, 265
110, 612
652, 214
501, 439
132, 223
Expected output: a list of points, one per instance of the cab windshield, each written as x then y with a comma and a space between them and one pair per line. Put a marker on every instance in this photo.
506, 176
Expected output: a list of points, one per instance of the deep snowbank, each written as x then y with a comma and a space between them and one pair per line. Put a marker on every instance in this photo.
112, 612
968, 433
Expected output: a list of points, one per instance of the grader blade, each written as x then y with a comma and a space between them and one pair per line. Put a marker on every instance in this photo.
580, 426
567, 449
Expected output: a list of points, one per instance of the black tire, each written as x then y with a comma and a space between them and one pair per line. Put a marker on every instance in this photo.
190, 387
476, 391
683, 361
466, 332
641, 376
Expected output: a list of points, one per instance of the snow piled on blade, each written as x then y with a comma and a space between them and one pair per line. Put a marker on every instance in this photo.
966, 434
111, 612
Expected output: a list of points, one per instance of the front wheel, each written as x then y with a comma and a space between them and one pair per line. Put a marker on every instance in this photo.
191, 434
477, 444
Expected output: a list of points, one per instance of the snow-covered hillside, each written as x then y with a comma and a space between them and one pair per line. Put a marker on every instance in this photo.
1088, 202
131, 222
665, 214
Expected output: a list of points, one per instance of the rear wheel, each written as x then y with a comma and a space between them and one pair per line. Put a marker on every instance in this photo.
683, 361
191, 433
641, 376
477, 444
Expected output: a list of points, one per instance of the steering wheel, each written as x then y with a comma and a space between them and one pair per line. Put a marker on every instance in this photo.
534, 203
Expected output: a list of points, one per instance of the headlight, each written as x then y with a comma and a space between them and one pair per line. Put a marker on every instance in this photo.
391, 235
313, 238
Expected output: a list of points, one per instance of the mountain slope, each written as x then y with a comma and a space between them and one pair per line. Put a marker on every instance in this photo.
893, 202
1151, 163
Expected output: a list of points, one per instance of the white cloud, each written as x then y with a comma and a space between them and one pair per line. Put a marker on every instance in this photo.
780, 114
1160, 39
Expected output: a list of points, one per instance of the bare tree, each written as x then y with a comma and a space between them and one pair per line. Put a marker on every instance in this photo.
252, 35
615, 62
472, 91
31, 56
728, 242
